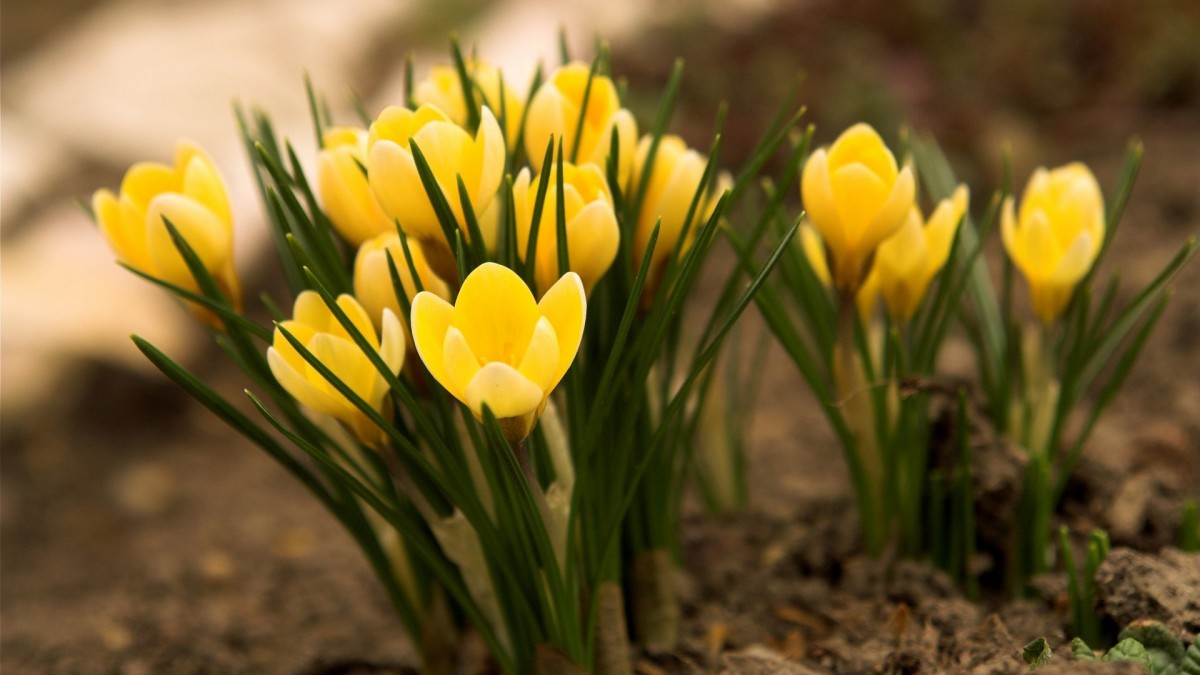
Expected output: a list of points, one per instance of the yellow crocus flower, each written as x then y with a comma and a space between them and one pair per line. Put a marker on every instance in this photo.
373, 279
192, 196
315, 326
496, 345
592, 233
906, 262
1057, 234
856, 197
554, 113
451, 153
443, 89
674, 179
345, 194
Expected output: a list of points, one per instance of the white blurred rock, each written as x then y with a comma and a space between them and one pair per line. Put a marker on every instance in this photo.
66, 300
31, 163
135, 76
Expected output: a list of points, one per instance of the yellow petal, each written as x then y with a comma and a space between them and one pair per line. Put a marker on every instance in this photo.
819, 204
1076, 262
814, 252
565, 306
126, 236
289, 377
504, 390
890, 214
347, 197
358, 317
310, 310
939, 231
1008, 233
593, 239
904, 254
461, 363
397, 186
1039, 247
540, 362
496, 313
392, 342
202, 183
199, 227
347, 363
860, 144
489, 146
546, 121
146, 180
431, 317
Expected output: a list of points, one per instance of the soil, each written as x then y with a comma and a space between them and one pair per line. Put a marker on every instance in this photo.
140, 536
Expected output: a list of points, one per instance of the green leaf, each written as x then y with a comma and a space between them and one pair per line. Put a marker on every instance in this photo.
583, 106
467, 84
433, 192
1037, 653
1190, 665
1128, 649
1164, 648
1081, 651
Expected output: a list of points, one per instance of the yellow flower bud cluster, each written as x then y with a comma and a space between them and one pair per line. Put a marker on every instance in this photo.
1056, 235
865, 235
190, 195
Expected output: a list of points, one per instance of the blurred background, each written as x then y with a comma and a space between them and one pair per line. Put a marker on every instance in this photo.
140, 536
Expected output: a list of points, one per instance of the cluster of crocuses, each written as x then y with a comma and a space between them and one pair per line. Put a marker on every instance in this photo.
486, 375
865, 238
483, 375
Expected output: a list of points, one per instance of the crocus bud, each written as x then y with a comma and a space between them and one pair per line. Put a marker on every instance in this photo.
315, 326
908, 261
443, 89
191, 195
497, 346
346, 196
674, 181
1056, 235
554, 113
451, 153
373, 286
592, 233
856, 197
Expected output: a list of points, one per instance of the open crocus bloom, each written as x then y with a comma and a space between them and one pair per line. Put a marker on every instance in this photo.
556, 108
315, 326
593, 236
191, 195
497, 346
452, 154
1056, 236
856, 197
908, 261
346, 195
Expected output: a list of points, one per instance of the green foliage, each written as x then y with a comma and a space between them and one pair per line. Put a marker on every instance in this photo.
1148, 643
471, 510
1037, 653
1089, 355
1081, 585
